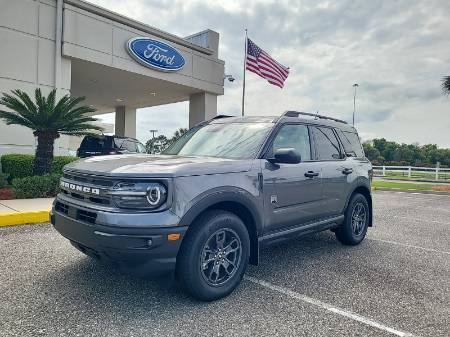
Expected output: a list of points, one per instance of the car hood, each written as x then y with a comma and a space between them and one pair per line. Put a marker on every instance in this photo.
145, 165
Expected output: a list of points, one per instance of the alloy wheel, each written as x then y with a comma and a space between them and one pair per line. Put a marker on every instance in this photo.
359, 216
221, 256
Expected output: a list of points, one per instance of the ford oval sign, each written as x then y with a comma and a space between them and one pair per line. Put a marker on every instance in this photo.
155, 54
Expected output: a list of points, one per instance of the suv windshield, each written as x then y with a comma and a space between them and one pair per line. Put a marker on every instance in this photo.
229, 140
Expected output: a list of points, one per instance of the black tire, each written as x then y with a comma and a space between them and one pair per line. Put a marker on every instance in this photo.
354, 228
203, 243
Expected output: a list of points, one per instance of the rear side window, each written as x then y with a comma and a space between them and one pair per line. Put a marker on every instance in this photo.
294, 136
125, 144
327, 145
129, 146
351, 143
118, 142
141, 148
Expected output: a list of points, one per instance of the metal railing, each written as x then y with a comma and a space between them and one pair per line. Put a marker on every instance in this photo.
412, 172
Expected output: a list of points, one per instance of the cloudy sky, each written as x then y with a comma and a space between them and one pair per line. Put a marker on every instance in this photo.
397, 51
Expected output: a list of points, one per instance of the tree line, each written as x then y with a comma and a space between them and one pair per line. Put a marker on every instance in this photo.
160, 143
383, 152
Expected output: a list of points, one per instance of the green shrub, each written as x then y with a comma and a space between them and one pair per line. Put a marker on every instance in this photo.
17, 165
4, 180
21, 165
45, 186
59, 162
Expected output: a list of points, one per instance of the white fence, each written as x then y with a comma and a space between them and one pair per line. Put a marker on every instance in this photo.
413, 172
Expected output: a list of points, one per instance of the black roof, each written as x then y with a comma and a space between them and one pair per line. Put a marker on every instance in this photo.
111, 136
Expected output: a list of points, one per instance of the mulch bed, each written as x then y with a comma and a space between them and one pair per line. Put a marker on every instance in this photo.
5, 193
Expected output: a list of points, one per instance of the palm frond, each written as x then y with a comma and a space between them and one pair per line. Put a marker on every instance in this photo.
17, 106
26, 100
12, 118
446, 85
46, 114
81, 127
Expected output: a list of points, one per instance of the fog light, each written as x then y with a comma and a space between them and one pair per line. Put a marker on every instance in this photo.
149, 242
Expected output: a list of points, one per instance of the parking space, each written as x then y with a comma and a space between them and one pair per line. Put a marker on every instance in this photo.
397, 282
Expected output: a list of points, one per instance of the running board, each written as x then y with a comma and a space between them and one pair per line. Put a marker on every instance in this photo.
302, 230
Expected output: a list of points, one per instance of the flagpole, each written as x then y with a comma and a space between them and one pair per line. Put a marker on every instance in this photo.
245, 63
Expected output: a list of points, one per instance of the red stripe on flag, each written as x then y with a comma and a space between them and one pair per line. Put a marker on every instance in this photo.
275, 63
274, 72
269, 63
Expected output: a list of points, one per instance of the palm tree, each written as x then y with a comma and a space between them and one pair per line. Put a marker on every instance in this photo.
178, 133
446, 85
48, 119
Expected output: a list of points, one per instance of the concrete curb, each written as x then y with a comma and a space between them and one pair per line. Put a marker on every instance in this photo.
22, 218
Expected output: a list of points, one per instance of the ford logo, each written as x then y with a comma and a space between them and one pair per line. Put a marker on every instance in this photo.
155, 54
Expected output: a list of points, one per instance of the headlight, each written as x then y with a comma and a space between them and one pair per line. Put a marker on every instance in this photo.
139, 195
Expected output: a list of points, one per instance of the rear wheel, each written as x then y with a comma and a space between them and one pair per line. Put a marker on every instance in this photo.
214, 255
354, 228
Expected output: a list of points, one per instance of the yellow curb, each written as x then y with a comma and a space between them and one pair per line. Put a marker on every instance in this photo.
21, 218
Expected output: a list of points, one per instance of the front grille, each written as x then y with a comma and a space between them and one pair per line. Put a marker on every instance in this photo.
75, 213
63, 208
95, 200
80, 181
86, 216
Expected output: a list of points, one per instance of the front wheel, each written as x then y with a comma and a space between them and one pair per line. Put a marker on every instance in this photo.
214, 255
354, 228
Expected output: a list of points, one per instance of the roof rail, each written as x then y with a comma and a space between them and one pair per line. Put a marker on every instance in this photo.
298, 113
221, 116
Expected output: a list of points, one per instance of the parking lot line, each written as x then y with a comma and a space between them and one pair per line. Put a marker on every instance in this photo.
419, 220
329, 307
410, 246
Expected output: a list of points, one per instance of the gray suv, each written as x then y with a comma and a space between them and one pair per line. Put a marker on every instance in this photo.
206, 206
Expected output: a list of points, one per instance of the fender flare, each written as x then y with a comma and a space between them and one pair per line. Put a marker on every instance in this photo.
362, 185
234, 195
216, 196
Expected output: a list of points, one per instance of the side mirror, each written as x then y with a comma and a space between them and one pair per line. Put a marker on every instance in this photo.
286, 156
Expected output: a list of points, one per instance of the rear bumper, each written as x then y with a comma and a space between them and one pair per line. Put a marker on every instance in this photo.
142, 249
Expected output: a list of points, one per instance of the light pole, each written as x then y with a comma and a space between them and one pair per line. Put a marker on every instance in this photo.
153, 133
356, 85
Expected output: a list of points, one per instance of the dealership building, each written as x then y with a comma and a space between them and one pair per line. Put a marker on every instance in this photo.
118, 64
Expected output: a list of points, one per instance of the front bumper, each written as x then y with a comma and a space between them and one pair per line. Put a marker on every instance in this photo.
142, 247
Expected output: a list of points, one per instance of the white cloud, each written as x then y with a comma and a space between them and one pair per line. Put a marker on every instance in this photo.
396, 50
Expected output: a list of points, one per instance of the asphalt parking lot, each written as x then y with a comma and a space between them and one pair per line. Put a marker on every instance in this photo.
396, 283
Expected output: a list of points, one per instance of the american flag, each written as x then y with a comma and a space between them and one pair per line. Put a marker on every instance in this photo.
261, 63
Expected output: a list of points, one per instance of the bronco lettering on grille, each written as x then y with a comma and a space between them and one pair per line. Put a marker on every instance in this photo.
79, 188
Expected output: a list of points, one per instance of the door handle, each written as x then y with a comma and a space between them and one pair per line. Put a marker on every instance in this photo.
347, 170
311, 174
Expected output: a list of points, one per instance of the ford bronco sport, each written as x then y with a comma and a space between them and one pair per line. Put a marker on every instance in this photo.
206, 206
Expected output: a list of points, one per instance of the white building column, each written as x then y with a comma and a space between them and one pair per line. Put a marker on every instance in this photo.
125, 124
202, 106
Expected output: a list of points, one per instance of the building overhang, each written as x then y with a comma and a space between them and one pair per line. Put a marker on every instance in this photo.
95, 41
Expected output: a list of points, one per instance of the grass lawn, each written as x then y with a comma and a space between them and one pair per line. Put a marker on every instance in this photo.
410, 186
